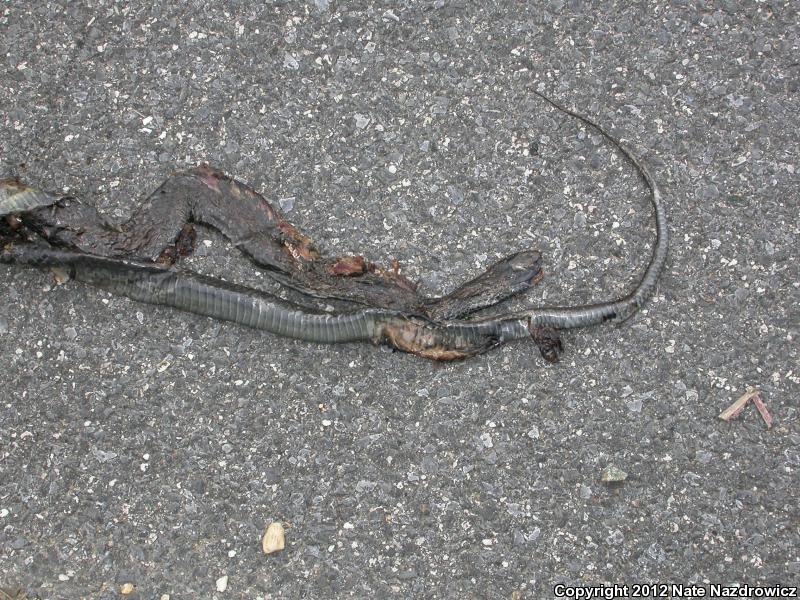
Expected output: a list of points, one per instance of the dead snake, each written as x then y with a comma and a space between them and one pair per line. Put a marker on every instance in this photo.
92, 251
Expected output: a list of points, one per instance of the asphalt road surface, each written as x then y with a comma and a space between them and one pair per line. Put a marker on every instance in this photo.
140, 445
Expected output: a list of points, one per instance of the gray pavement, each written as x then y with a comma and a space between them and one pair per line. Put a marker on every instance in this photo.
147, 446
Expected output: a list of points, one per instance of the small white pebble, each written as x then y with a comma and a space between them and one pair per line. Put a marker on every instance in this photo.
274, 539
126, 589
361, 121
487, 542
222, 583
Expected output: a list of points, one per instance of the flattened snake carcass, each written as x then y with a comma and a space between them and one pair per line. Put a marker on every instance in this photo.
48, 230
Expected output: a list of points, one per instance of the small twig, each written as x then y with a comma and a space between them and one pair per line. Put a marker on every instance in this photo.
15, 593
737, 407
763, 411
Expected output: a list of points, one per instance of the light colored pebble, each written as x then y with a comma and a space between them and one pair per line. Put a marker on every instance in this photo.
274, 539
361, 121
612, 474
222, 583
126, 589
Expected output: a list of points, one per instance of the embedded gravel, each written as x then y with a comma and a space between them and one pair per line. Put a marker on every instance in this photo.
148, 448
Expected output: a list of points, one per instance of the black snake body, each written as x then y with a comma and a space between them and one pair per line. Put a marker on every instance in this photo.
121, 260
216, 298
